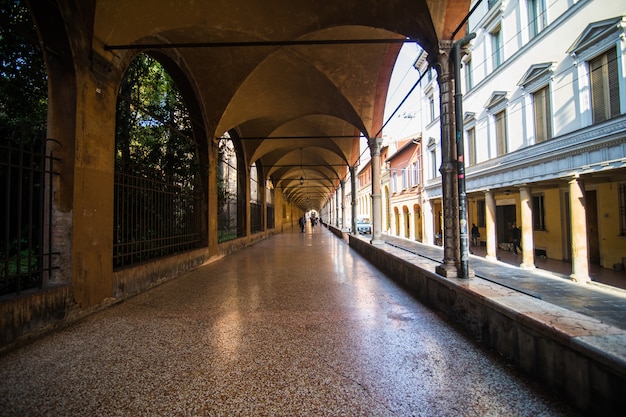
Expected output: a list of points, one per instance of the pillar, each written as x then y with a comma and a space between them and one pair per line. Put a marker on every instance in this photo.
374, 145
427, 227
354, 203
578, 221
528, 245
343, 205
337, 208
490, 226
449, 182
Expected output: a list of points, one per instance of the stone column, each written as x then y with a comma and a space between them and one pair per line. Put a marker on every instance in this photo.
578, 221
354, 203
338, 205
490, 226
449, 182
343, 205
374, 145
427, 227
528, 246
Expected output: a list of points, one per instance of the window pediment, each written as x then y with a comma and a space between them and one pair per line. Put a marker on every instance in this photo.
538, 73
497, 100
494, 15
469, 117
598, 34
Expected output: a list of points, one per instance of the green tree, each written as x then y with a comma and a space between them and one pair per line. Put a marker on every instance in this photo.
157, 190
23, 80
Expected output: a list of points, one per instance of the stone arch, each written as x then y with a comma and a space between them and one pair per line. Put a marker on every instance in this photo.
160, 196
406, 217
417, 218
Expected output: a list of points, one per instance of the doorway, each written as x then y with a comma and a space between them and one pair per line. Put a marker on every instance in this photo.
505, 218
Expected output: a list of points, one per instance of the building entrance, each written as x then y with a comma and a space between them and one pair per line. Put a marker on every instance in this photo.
505, 218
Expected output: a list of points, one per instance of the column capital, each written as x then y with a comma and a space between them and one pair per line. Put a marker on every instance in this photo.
445, 46
573, 179
375, 144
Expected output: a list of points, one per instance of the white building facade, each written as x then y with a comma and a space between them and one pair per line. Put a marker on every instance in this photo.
544, 103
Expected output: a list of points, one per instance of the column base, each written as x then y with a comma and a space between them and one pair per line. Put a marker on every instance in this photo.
377, 242
447, 270
527, 266
580, 280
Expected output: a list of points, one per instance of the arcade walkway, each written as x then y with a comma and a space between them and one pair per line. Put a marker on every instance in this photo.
298, 324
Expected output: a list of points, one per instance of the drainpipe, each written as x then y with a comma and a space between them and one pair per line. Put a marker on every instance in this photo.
460, 153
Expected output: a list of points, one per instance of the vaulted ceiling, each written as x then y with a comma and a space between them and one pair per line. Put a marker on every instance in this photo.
299, 81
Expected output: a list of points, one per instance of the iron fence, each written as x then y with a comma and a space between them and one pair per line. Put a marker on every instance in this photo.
270, 216
256, 217
154, 217
26, 177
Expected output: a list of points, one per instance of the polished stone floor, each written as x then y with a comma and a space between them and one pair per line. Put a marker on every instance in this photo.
296, 325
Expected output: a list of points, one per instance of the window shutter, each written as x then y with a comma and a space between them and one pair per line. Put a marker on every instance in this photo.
613, 81
543, 123
597, 89
604, 86
501, 133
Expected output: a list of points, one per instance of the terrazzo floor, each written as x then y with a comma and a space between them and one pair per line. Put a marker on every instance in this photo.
296, 325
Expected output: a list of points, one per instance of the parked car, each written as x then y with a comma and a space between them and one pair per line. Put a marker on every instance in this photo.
363, 225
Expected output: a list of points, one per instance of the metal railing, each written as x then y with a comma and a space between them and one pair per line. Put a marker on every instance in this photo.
270, 216
153, 218
256, 217
26, 256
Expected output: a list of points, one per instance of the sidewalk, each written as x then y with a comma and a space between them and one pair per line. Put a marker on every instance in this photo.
602, 302
598, 274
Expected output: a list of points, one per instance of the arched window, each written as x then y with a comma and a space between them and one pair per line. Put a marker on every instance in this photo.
24, 180
230, 207
256, 202
269, 204
158, 199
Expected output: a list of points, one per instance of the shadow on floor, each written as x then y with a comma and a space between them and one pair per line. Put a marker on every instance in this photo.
598, 274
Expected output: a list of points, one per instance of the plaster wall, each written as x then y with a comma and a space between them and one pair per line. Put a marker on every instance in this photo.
612, 245
551, 239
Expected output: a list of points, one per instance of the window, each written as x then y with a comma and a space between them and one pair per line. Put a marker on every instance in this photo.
497, 55
622, 209
417, 173
429, 75
501, 139
254, 184
480, 213
230, 208
538, 213
256, 202
603, 76
543, 117
467, 69
604, 86
537, 17
471, 143
405, 178
431, 108
394, 182
433, 164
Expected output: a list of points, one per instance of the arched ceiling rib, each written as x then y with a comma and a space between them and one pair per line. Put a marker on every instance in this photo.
318, 97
